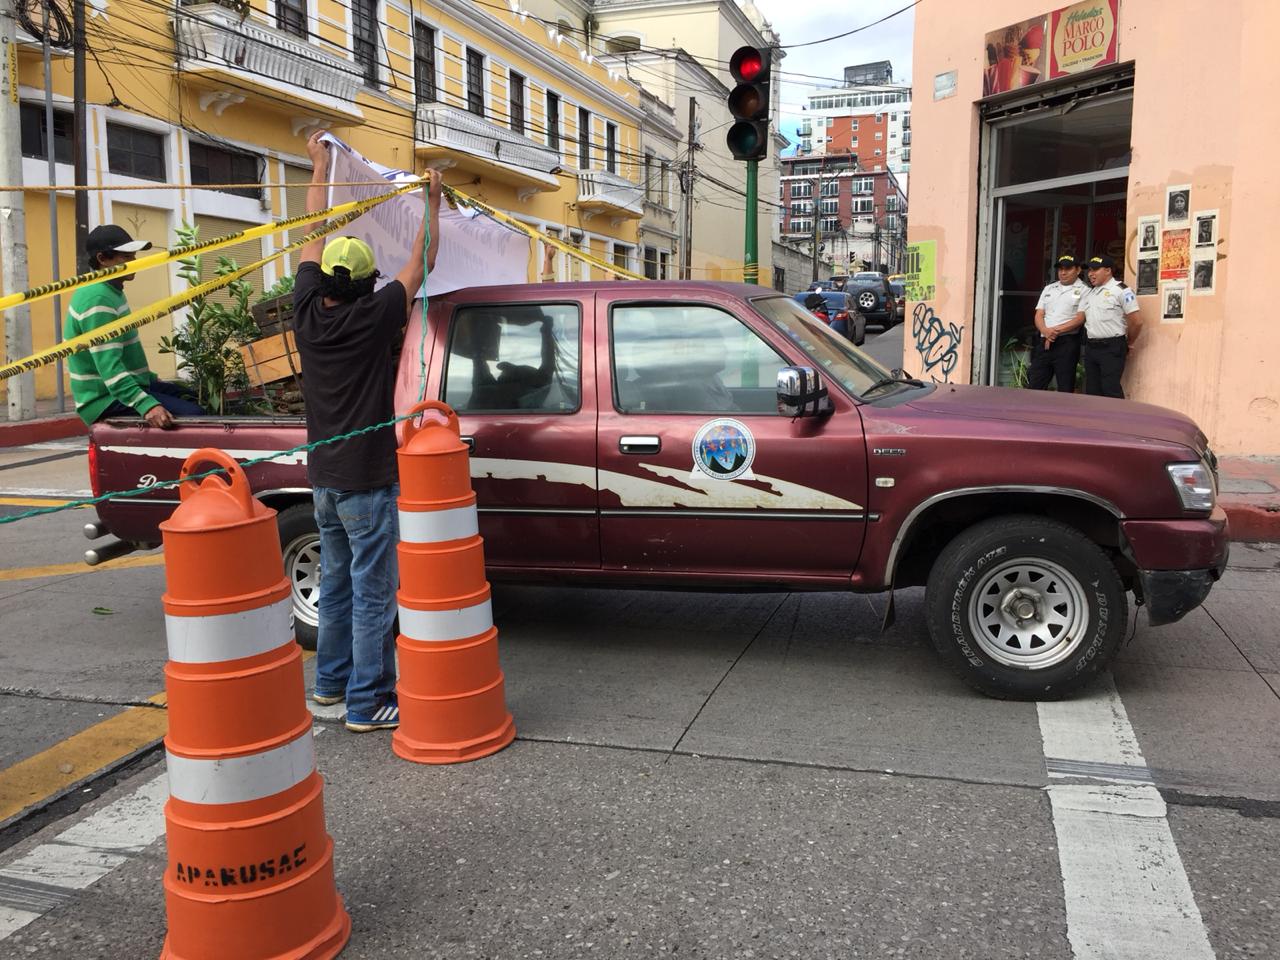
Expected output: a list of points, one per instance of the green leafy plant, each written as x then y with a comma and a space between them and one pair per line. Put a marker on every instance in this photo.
205, 347
1019, 361
278, 289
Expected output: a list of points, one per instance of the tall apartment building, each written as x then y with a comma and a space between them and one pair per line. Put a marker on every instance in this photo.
869, 117
861, 214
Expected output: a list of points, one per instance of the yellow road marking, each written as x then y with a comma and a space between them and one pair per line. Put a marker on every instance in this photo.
30, 781
62, 569
32, 502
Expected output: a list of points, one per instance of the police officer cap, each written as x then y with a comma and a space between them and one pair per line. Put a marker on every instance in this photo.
1067, 261
1101, 261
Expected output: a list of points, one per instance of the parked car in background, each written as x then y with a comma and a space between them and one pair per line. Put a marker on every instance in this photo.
874, 298
899, 288
839, 311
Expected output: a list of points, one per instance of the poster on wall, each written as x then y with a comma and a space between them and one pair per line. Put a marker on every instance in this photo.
1177, 207
1175, 255
920, 270
1148, 235
1082, 37
1173, 301
1148, 284
1203, 273
1015, 56
1206, 235
1062, 43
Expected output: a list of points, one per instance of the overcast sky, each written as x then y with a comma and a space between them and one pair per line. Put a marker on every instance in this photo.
800, 20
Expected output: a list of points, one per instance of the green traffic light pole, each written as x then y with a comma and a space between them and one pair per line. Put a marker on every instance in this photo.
751, 258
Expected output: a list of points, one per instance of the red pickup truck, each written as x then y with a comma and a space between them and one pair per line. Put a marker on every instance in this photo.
718, 436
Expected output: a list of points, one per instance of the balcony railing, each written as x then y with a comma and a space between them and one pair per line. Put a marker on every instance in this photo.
601, 190
210, 37
454, 130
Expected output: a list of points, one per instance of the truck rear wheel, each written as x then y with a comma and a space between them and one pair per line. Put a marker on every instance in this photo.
300, 544
1025, 608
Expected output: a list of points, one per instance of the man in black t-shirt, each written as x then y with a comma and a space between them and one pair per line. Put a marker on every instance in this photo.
346, 333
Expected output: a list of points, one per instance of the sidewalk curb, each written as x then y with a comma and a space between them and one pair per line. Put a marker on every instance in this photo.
40, 430
1247, 522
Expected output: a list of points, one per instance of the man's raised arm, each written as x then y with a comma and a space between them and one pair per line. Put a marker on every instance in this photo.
317, 192
411, 275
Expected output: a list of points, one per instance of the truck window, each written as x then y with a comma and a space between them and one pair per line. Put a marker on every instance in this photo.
690, 358
514, 358
838, 358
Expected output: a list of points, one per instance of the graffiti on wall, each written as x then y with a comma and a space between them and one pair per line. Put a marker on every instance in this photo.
937, 343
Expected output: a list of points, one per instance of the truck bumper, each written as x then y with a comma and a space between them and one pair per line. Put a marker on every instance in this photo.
1178, 562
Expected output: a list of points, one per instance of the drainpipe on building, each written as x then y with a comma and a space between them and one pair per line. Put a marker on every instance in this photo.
13, 224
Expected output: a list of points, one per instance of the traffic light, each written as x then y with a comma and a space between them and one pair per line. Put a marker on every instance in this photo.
748, 103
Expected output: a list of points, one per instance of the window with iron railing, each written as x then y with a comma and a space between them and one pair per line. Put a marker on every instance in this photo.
364, 39
553, 121
291, 17
584, 138
515, 97
424, 62
475, 82
611, 147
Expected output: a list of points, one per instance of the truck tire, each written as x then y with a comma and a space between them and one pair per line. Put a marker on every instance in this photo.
1024, 608
300, 544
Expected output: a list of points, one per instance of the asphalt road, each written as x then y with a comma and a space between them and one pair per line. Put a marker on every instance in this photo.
705, 775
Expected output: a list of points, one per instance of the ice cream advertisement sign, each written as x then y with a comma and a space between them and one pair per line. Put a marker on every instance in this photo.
1067, 41
1083, 36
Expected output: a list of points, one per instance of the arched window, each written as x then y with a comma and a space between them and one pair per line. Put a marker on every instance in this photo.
622, 44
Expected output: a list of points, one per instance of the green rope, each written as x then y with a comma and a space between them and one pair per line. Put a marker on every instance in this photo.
142, 491
422, 343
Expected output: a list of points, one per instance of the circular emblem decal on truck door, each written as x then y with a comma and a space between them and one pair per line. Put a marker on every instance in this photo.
723, 449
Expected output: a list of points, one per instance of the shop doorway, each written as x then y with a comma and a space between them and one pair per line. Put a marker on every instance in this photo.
1056, 182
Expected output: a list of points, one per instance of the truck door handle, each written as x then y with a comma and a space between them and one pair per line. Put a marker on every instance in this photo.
640, 444
470, 442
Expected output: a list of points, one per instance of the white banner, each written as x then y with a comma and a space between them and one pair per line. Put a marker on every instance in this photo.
474, 250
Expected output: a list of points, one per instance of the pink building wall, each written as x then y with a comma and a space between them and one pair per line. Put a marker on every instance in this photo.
1205, 112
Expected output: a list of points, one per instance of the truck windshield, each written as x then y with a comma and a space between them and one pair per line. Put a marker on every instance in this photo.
839, 359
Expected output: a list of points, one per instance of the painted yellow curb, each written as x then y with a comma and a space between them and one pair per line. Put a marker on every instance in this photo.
37, 778
63, 569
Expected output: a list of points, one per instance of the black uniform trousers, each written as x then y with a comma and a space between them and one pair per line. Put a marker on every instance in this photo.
1104, 365
1058, 361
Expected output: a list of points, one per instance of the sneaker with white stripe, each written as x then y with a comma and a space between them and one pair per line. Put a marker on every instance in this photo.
385, 717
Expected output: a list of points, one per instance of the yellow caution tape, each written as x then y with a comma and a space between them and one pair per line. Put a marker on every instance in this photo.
109, 331
47, 290
340, 214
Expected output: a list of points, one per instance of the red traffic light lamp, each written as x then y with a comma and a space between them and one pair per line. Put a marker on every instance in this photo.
748, 103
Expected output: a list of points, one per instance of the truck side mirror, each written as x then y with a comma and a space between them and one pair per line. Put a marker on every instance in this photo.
801, 393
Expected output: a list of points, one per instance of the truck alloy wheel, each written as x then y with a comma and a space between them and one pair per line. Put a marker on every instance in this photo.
866, 300
1025, 608
300, 544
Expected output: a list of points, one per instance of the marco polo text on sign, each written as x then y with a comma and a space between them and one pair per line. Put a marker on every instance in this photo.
1083, 36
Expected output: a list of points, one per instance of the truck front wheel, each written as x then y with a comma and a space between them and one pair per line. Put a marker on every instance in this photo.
300, 544
1025, 608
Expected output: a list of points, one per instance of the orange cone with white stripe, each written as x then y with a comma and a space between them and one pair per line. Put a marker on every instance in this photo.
250, 872
451, 693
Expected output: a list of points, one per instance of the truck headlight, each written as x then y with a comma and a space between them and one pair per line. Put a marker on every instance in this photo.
1194, 483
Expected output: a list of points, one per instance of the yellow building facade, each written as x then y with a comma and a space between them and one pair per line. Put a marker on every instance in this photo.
203, 110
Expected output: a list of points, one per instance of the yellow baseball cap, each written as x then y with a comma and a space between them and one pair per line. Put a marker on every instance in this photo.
355, 255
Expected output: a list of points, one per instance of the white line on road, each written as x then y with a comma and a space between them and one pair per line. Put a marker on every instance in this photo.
1127, 893
80, 856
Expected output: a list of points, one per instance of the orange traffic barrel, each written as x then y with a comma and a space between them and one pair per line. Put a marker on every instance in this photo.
451, 692
250, 871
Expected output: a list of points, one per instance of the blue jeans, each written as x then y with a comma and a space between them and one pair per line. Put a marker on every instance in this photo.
171, 396
356, 648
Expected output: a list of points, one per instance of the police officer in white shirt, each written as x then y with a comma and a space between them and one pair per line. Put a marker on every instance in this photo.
1109, 315
1056, 349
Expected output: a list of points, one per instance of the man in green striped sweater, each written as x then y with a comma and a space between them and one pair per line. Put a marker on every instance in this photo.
113, 379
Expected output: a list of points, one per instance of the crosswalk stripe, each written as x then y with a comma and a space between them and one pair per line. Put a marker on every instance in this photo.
1127, 892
